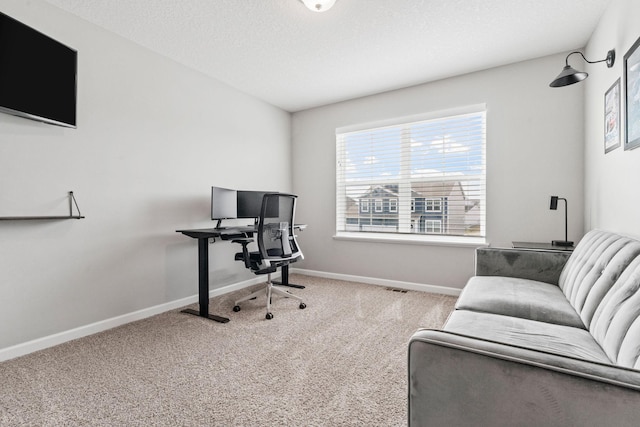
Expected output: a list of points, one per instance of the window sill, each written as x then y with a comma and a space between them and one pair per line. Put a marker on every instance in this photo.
413, 239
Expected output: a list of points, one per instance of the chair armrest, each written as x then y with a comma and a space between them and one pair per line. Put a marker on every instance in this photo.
461, 380
540, 265
244, 241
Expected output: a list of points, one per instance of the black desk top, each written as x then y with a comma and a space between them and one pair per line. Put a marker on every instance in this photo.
206, 233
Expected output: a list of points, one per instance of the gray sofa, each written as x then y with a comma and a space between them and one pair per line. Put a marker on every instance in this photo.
538, 338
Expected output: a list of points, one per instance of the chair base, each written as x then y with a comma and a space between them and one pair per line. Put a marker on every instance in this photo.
270, 290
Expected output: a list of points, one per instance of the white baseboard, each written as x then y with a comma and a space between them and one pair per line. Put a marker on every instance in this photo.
83, 331
381, 282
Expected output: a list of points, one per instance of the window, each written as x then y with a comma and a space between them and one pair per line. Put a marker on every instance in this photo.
424, 175
433, 227
433, 205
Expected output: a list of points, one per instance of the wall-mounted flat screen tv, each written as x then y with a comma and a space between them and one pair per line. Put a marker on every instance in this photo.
37, 75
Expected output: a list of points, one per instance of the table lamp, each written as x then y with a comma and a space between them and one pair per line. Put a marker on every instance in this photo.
553, 206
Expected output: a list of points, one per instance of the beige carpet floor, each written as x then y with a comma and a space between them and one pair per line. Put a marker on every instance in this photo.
339, 362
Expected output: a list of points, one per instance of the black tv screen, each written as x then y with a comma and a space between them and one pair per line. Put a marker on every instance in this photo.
37, 75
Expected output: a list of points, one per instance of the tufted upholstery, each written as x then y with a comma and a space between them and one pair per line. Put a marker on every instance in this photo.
593, 268
601, 281
616, 323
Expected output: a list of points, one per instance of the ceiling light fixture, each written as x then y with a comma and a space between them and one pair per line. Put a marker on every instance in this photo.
569, 75
318, 5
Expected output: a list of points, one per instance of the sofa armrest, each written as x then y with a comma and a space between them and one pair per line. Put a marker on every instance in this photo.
460, 380
540, 265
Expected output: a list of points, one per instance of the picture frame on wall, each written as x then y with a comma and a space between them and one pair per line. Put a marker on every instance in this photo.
632, 96
612, 117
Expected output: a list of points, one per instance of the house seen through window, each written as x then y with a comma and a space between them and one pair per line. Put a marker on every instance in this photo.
424, 176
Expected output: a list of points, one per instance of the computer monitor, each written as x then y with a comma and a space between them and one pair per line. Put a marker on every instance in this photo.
250, 205
224, 203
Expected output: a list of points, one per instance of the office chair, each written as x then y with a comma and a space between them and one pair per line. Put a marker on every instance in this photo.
277, 245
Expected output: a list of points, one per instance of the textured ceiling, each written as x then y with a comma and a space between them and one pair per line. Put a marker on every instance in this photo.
279, 51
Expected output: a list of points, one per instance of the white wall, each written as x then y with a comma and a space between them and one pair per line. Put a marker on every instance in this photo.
152, 137
534, 150
612, 195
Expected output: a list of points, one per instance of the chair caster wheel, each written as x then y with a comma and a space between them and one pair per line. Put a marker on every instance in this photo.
236, 308
302, 305
269, 316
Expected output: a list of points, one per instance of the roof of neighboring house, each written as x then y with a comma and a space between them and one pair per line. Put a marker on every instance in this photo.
418, 189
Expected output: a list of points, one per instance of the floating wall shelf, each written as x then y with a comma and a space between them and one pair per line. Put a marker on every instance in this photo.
72, 202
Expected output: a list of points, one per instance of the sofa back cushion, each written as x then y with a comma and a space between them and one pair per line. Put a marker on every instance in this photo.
616, 322
593, 268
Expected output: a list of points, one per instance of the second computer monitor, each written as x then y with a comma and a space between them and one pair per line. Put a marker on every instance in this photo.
249, 203
223, 203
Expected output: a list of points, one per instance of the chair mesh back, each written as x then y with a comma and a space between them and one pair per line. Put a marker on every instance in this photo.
276, 240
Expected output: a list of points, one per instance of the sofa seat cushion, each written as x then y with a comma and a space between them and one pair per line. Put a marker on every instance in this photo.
557, 339
522, 298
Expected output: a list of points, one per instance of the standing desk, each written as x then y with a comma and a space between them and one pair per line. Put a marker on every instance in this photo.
203, 235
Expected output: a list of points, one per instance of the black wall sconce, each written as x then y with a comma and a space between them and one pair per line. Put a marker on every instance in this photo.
569, 75
553, 206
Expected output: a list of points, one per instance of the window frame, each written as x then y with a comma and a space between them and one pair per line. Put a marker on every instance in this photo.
393, 205
431, 224
433, 201
412, 206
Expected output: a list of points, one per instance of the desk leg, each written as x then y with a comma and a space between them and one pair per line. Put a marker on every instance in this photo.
285, 279
203, 284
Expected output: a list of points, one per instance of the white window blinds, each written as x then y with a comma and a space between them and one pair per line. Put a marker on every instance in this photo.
426, 176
